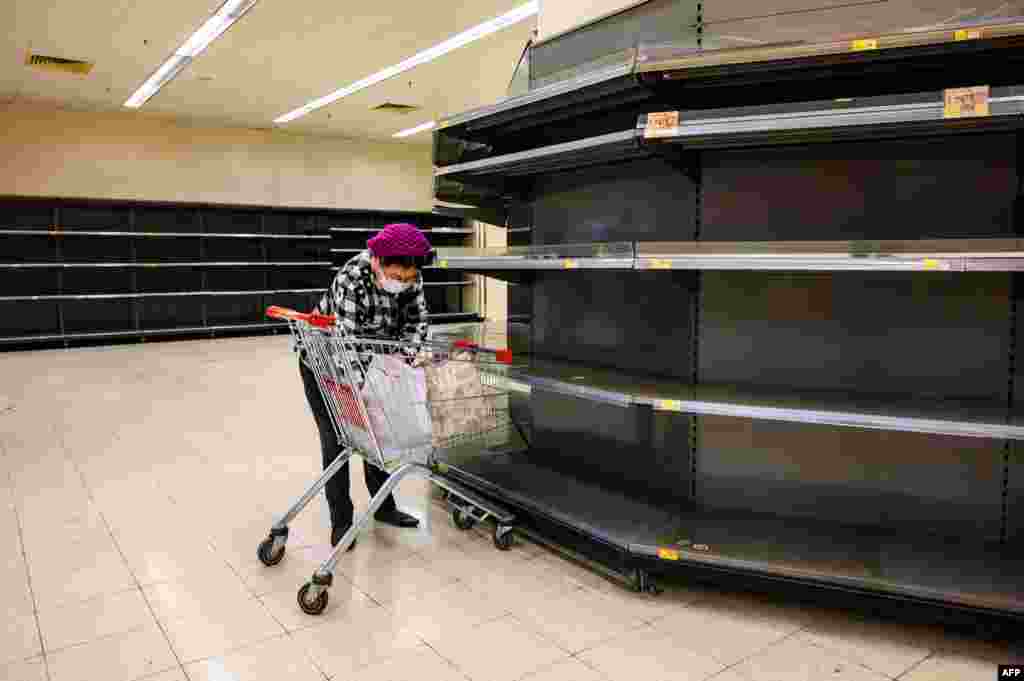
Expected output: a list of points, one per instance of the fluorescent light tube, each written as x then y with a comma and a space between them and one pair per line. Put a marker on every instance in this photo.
422, 127
167, 71
221, 20
455, 42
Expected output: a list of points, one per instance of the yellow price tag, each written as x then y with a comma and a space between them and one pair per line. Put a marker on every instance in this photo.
669, 405
659, 264
668, 554
967, 34
966, 102
864, 44
570, 264
443, 264
662, 124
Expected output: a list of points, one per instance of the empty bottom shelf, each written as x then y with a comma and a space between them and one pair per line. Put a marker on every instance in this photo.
910, 565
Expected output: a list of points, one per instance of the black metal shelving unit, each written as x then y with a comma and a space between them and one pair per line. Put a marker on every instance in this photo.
772, 330
80, 271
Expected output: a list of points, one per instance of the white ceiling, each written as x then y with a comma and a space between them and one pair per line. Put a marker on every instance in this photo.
281, 55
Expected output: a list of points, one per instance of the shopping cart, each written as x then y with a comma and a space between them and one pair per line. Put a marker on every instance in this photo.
363, 412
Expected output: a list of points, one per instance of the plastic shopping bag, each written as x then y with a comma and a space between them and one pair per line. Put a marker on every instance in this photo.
460, 403
395, 395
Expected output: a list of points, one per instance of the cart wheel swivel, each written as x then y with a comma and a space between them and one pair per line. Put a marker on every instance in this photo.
504, 538
266, 555
462, 519
315, 606
643, 583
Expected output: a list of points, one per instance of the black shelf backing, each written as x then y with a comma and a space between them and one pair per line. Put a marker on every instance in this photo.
78, 271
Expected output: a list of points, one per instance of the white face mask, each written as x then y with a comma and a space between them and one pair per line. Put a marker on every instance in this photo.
387, 284
393, 287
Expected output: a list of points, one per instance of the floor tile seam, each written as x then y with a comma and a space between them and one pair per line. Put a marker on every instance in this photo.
387, 657
931, 655
477, 625
705, 600
235, 573
153, 675
165, 621
289, 635
594, 646
120, 551
28, 578
578, 657
104, 637
73, 603
756, 653
448, 662
847, 658
232, 650
451, 663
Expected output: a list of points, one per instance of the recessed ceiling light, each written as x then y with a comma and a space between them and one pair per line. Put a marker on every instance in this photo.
422, 127
455, 42
226, 15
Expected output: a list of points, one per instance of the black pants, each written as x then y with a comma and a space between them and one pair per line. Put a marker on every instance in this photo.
339, 499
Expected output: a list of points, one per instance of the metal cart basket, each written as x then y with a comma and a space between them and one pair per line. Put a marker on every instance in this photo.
394, 424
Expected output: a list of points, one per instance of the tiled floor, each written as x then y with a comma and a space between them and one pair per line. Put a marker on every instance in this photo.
136, 482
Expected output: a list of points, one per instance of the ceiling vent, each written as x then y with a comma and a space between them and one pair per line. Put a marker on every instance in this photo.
390, 107
39, 61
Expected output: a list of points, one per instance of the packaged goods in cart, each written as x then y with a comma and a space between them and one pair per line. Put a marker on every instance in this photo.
459, 400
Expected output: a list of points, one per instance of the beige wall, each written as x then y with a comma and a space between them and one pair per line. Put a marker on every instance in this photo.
46, 152
558, 16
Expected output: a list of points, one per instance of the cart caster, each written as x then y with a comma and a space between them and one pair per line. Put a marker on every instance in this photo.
266, 552
463, 519
643, 583
504, 538
315, 605
653, 589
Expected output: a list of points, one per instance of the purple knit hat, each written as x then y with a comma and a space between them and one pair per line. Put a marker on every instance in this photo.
399, 239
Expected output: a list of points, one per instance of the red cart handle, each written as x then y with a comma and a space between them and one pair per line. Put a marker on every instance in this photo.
321, 321
502, 356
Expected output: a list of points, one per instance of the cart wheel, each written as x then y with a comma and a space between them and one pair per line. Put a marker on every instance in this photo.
317, 605
504, 538
264, 552
642, 583
653, 589
462, 519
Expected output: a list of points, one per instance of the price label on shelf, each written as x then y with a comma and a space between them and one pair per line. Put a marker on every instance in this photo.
659, 264
864, 44
966, 102
931, 264
570, 264
443, 264
967, 34
668, 405
668, 554
662, 124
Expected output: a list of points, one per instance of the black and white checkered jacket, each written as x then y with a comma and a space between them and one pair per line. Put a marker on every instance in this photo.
364, 310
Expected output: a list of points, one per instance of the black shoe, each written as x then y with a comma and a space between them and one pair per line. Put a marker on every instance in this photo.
337, 533
396, 518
